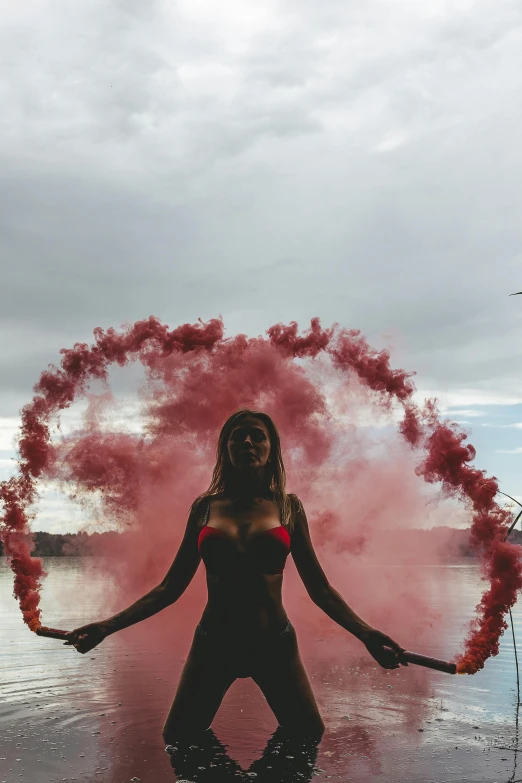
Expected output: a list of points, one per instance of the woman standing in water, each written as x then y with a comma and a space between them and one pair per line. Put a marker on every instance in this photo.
243, 528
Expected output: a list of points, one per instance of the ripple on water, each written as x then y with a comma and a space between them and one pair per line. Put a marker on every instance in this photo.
106, 710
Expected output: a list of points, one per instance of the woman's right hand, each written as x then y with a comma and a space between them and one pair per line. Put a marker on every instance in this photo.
87, 637
383, 648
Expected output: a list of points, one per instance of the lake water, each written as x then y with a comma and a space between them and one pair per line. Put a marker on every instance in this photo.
98, 717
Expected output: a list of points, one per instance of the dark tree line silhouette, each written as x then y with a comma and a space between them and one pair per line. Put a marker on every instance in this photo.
449, 544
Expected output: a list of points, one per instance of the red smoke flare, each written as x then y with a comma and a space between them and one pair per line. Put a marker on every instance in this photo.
446, 457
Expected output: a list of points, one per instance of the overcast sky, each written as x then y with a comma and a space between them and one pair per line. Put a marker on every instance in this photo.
269, 161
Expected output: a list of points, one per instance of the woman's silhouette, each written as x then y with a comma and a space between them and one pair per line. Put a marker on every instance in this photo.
243, 527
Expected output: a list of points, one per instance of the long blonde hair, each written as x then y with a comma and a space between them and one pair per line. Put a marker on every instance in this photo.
276, 475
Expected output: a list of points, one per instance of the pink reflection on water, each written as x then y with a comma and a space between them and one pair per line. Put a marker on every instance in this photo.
370, 715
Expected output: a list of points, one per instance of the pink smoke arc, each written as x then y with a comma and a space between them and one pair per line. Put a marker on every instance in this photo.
446, 456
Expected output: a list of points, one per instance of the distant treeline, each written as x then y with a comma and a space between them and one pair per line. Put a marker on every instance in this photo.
69, 544
449, 543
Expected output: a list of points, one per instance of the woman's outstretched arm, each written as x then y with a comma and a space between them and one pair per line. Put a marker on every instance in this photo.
330, 601
176, 581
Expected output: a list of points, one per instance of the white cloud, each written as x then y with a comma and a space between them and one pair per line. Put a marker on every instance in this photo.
516, 425
449, 399
8, 430
471, 412
392, 141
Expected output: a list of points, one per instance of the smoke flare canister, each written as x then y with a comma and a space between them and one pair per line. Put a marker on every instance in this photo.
52, 633
430, 663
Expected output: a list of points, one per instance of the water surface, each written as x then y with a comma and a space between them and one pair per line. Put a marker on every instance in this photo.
98, 717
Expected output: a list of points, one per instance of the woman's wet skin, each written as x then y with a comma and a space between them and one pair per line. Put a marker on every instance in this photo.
244, 611
245, 599
244, 629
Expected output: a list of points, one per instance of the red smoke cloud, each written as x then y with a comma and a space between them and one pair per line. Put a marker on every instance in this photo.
195, 378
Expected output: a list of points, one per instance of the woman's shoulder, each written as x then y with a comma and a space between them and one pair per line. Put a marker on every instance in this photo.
293, 512
297, 506
200, 508
199, 512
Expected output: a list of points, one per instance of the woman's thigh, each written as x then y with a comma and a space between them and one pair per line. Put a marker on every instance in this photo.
284, 682
203, 683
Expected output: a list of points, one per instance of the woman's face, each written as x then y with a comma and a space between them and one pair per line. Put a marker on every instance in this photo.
249, 443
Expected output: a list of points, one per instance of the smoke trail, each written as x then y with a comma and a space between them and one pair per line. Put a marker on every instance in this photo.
56, 390
447, 461
272, 379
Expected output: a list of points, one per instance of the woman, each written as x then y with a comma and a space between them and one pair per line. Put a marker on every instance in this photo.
243, 529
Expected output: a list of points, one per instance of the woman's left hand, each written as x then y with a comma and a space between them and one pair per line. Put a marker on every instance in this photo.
385, 650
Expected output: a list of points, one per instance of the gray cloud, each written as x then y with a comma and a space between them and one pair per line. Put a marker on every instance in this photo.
357, 161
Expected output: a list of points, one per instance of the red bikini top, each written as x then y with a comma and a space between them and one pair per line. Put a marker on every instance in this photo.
265, 552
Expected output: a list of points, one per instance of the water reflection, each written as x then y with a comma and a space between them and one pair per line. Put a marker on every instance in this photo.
99, 717
285, 759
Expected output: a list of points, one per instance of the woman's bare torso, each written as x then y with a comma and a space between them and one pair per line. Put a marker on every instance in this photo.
243, 600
